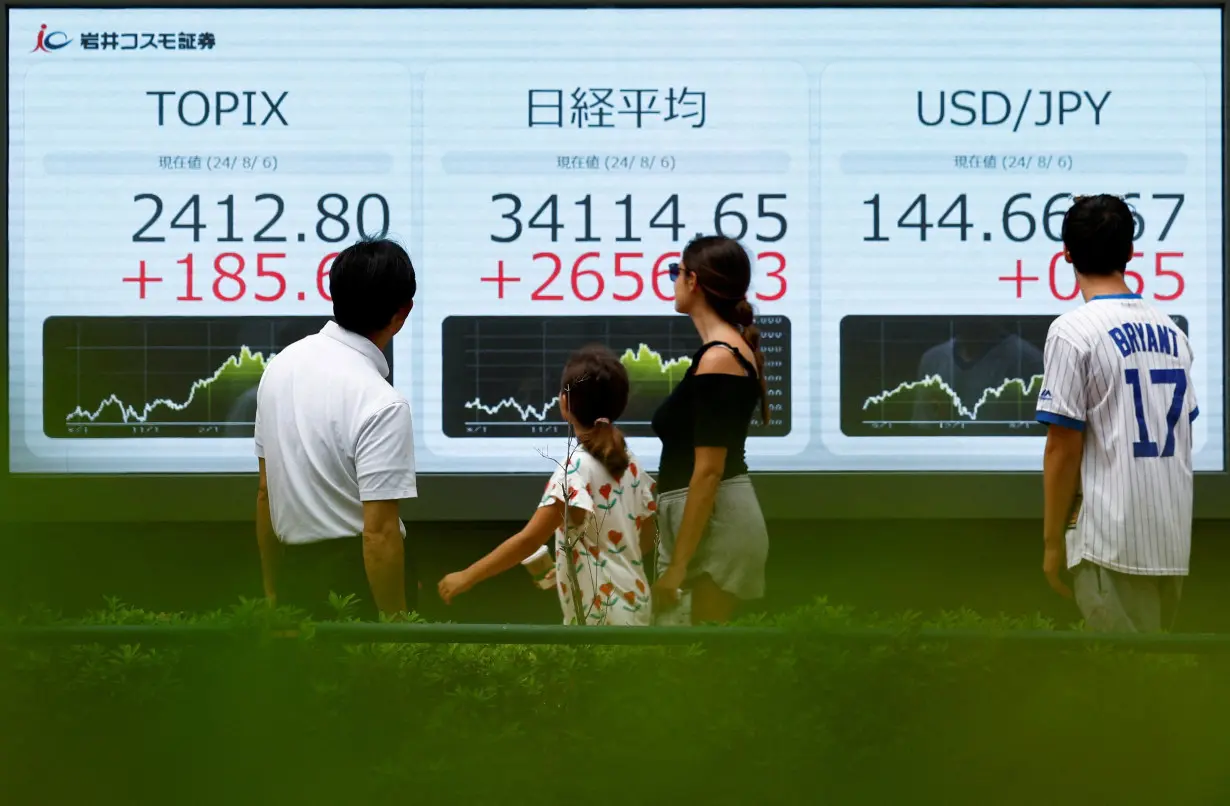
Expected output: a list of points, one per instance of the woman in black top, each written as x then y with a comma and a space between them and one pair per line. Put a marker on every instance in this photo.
713, 539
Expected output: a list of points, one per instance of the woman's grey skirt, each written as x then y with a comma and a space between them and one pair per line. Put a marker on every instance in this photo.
735, 544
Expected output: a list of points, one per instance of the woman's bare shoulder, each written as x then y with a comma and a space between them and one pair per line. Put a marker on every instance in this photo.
719, 360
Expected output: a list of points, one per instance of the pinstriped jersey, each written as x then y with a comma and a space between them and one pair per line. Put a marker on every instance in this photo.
1120, 370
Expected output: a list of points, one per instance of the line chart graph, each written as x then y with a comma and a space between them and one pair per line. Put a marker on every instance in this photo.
502, 373
108, 377
244, 369
646, 369
935, 385
941, 375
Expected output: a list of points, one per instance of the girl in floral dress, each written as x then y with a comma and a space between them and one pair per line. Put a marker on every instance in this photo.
604, 495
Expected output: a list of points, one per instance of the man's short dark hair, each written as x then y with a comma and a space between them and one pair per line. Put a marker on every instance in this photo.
370, 282
1097, 232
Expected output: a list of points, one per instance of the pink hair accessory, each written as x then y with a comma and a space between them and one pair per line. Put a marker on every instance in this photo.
602, 420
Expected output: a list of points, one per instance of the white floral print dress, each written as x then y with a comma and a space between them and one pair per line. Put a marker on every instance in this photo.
598, 565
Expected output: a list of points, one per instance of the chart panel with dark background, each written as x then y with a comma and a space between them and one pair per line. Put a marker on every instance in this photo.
939, 375
502, 373
165, 376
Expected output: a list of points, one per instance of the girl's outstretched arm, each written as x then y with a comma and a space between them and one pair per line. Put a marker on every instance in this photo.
509, 553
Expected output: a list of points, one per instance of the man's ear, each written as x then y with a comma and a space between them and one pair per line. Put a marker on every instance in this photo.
399, 318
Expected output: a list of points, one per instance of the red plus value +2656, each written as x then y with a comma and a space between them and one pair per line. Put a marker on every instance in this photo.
621, 276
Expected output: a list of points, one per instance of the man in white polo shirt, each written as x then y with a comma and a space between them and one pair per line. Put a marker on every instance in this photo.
336, 448
1118, 401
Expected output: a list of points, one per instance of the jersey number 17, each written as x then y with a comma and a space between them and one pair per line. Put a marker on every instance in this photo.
1144, 447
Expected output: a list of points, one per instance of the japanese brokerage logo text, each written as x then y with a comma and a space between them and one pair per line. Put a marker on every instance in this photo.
48, 41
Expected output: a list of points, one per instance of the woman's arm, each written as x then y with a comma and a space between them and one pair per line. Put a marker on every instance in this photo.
702, 492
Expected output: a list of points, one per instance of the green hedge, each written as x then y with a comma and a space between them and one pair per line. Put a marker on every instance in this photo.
275, 722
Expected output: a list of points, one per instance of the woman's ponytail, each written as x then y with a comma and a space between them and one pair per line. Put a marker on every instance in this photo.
745, 318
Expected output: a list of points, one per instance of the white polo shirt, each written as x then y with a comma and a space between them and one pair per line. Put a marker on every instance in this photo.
333, 433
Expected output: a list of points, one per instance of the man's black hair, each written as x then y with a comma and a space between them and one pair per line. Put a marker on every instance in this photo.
370, 282
1097, 232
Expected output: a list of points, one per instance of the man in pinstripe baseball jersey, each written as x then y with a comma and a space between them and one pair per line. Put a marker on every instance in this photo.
1118, 402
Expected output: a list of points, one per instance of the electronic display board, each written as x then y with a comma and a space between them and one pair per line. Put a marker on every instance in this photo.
180, 179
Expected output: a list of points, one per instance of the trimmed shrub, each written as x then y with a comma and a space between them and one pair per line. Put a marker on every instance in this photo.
255, 719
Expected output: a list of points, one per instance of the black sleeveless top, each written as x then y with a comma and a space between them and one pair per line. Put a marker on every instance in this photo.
708, 411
